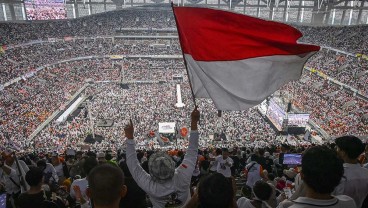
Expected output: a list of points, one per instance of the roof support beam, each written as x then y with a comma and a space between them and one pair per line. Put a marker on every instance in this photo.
344, 12
359, 19
298, 18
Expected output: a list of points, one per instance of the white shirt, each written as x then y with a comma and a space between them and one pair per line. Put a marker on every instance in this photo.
254, 173
83, 185
180, 183
214, 163
365, 165
51, 170
341, 201
24, 169
243, 202
354, 183
224, 168
10, 187
59, 170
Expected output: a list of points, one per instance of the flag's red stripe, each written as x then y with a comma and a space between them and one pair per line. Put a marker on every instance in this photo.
216, 35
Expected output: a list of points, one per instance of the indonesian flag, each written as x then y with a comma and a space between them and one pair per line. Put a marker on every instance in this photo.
237, 60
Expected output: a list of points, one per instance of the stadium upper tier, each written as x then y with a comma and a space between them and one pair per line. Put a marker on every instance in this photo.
322, 12
349, 38
45, 63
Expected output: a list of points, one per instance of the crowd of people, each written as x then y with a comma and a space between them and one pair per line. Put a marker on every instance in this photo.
346, 69
29, 102
331, 175
313, 93
132, 160
345, 38
103, 24
19, 61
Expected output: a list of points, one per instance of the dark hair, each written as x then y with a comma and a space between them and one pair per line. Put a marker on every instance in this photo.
218, 151
41, 163
262, 190
126, 171
322, 169
261, 151
89, 164
271, 176
215, 191
254, 157
351, 145
105, 182
34, 176
108, 156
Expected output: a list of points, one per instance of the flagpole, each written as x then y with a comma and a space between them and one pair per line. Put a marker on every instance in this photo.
182, 52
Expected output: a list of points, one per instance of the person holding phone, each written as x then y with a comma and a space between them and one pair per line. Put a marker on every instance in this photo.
321, 172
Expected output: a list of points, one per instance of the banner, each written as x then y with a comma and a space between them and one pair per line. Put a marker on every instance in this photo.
166, 128
68, 38
116, 57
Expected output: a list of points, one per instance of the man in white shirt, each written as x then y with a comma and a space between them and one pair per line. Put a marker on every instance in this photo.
88, 165
5, 174
321, 172
355, 180
165, 184
216, 153
49, 172
254, 171
10, 161
224, 163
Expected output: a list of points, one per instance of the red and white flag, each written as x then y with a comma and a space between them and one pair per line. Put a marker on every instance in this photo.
238, 60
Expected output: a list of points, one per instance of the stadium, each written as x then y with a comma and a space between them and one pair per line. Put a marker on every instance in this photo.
73, 74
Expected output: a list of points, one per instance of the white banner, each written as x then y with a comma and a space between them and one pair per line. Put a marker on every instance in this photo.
166, 128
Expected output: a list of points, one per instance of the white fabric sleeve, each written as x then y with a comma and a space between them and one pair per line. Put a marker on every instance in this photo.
186, 168
140, 176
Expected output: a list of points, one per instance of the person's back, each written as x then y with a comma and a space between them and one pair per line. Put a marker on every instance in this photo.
88, 165
262, 192
35, 197
355, 180
106, 186
254, 171
165, 185
135, 197
214, 191
321, 172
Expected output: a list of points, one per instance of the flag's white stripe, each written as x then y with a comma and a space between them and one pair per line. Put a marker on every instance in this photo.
239, 85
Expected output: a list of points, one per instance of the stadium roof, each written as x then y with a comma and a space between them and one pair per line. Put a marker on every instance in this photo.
316, 12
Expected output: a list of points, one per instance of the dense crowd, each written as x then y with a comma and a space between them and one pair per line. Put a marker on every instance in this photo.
57, 165
22, 60
27, 113
237, 177
346, 38
339, 116
346, 69
104, 24
148, 105
29, 102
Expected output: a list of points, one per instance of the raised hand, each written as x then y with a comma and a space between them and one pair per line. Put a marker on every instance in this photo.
129, 130
195, 116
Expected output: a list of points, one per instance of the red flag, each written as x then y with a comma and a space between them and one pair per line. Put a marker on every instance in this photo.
238, 60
